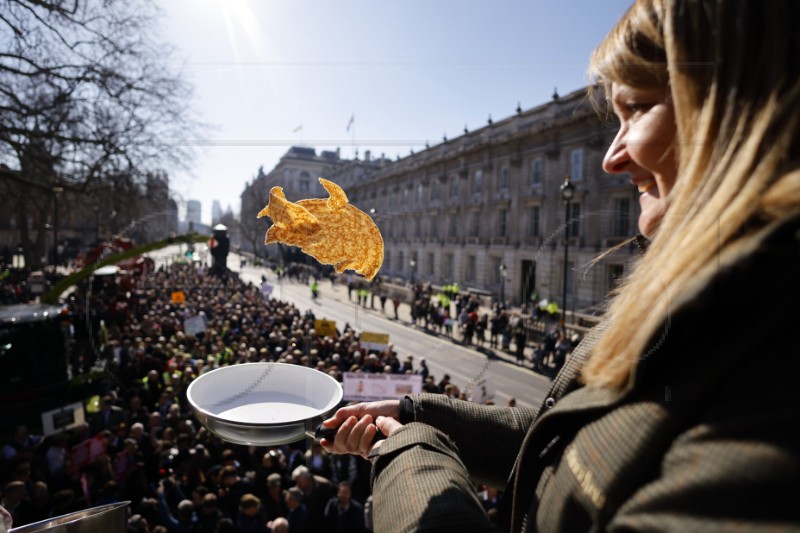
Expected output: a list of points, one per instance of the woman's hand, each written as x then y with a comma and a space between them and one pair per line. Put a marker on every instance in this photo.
358, 424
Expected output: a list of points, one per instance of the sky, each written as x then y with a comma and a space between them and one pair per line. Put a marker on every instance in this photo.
269, 74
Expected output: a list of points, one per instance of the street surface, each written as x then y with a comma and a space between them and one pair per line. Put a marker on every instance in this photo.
466, 366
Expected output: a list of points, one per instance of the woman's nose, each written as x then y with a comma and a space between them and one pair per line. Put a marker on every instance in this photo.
617, 157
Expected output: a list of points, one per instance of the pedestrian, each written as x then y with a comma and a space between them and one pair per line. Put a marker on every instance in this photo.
646, 426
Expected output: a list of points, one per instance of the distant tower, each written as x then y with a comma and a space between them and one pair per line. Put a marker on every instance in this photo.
193, 211
216, 212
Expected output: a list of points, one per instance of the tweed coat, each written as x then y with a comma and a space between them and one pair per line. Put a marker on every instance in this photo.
706, 437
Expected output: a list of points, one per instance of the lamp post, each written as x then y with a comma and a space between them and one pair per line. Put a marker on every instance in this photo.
413, 265
56, 191
96, 210
567, 193
503, 269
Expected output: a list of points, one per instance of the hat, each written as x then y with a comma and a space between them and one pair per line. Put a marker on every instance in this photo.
274, 479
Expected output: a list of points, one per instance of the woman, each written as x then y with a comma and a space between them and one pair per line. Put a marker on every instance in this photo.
660, 419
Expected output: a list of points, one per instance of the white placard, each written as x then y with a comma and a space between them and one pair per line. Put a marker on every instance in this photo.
194, 324
62, 419
368, 387
481, 391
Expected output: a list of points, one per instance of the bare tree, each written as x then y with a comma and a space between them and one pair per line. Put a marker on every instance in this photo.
87, 91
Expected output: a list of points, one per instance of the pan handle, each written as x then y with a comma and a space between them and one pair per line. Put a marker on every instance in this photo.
329, 433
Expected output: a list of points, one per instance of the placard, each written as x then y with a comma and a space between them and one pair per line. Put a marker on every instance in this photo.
480, 391
323, 328
86, 452
178, 297
194, 324
62, 419
367, 387
374, 341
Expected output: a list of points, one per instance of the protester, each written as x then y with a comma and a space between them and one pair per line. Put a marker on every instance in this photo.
649, 426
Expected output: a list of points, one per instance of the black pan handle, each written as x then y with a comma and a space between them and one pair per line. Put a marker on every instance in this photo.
329, 433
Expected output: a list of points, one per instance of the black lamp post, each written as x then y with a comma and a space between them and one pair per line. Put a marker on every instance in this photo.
413, 265
503, 269
56, 191
96, 210
567, 193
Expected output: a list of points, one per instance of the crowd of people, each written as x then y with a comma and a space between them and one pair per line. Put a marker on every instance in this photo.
178, 476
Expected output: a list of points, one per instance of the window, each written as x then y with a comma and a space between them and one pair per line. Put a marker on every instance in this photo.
448, 267
477, 183
431, 265
398, 267
570, 282
614, 274
405, 197
435, 189
533, 220
475, 224
496, 273
576, 164
305, 182
453, 231
503, 184
621, 222
434, 227
417, 227
470, 270
453, 187
536, 171
574, 221
403, 228
420, 194
502, 222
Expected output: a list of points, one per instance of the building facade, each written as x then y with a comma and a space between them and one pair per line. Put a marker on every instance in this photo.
298, 173
485, 210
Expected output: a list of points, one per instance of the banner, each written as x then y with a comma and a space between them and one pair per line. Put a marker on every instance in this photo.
62, 419
374, 341
368, 387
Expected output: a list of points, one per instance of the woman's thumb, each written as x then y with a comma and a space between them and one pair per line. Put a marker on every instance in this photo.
387, 425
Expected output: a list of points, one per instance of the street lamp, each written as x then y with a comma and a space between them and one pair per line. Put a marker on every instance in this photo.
96, 210
503, 269
413, 265
567, 193
56, 191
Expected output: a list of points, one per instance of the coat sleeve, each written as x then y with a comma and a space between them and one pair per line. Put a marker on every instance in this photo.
488, 437
420, 484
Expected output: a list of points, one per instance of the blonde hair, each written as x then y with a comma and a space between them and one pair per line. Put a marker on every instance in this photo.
735, 84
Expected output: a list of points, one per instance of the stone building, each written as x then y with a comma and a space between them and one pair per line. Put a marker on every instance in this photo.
298, 172
485, 209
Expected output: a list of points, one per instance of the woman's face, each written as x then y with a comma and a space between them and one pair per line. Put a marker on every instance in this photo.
644, 147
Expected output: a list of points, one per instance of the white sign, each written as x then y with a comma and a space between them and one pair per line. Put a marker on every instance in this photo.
194, 324
480, 391
368, 387
62, 419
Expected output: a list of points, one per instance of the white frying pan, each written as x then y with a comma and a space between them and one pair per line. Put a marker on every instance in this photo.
264, 404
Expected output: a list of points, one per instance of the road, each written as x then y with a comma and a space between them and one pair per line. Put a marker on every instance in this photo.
465, 366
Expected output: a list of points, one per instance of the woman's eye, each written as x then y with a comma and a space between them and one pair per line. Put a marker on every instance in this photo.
634, 108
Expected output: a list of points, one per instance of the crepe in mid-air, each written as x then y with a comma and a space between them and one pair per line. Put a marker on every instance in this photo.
331, 230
